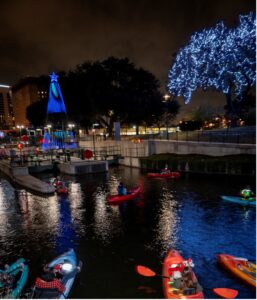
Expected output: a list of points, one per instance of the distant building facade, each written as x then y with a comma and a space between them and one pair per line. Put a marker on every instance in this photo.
6, 107
26, 92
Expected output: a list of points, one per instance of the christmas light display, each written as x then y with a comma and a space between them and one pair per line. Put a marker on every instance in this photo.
55, 101
219, 58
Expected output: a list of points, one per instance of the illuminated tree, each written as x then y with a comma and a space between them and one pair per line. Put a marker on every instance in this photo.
219, 58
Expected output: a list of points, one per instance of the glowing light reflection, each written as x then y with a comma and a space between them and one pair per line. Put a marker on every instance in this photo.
167, 224
107, 220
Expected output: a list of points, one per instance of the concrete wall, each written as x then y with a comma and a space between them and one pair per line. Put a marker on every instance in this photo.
11, 172
21, 176
83, 167
131, 152
203, 148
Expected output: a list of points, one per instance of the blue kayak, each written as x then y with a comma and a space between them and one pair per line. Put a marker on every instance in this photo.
240, 200
13, 279
70, 267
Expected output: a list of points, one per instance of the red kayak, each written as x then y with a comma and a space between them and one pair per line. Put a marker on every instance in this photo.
172, 291
62, 191
117, 199
164, 175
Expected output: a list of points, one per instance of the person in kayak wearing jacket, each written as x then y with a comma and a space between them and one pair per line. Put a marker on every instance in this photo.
121, 189
166, 170
246, 193
48, 280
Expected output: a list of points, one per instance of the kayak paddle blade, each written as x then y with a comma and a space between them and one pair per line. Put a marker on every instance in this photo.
226, 293
144, 271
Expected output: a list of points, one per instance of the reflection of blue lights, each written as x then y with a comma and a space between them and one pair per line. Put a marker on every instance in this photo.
55, 102
66, 238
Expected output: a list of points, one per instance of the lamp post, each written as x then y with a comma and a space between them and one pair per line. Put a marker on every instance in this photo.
93, 132
20, 128
49, 126
166, 98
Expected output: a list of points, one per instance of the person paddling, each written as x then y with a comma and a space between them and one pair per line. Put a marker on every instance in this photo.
121, 189
166, 169
246, 193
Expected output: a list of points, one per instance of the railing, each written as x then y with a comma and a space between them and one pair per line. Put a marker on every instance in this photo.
211, 136
135, 152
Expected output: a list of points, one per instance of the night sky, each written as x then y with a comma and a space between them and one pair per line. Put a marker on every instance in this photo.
38, 37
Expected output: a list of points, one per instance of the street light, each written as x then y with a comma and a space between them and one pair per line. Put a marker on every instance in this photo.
93, 132
166, 98
20, 128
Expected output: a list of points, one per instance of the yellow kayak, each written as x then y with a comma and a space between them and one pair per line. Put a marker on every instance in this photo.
240, 267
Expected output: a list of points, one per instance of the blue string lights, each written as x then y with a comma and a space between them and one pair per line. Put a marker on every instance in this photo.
221, 58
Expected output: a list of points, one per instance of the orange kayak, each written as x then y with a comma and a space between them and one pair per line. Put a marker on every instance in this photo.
173, 257
239, 267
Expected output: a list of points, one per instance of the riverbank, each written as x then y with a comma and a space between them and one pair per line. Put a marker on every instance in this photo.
241, 165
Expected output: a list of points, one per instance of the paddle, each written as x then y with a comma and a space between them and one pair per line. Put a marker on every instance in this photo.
222, 292
244, 259
147, 272
225, 293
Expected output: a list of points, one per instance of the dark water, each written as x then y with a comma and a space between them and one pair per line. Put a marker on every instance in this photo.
186, 214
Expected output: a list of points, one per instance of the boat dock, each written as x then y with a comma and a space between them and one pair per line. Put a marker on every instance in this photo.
21, 176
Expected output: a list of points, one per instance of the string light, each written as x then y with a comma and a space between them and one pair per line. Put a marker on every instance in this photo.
219, 58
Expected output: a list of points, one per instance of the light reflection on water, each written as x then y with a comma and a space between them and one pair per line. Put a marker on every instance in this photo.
185, 214
107, 219
167, 219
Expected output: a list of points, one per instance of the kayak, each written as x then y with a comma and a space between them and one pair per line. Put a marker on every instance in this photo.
62, 191
68, 258
239, 200
173, 257
240, 267
17, 275
164, 175
118, 199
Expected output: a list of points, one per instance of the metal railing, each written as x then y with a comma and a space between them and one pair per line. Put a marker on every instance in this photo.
238, 136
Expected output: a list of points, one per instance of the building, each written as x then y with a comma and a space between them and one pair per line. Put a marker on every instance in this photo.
27, 91
6, 107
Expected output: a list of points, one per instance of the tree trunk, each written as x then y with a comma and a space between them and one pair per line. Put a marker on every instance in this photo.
231, 110
137, 130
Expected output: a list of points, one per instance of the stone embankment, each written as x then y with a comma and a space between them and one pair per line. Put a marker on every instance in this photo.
20, 175
83, 167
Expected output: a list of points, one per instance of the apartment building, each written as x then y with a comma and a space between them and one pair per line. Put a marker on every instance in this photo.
27, 91
6, 107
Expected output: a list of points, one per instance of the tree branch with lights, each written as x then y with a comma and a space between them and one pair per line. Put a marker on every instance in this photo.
218, 58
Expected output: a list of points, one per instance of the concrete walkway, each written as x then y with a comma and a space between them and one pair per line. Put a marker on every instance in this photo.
20, 175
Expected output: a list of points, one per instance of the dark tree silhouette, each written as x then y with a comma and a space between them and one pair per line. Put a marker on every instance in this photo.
109, 91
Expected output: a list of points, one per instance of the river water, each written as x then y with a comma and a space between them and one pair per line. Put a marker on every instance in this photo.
186, 214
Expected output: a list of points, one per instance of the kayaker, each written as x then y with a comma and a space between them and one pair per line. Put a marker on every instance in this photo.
175, 273
188, 263
49, 281
165, 170
246, 193
121, 189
